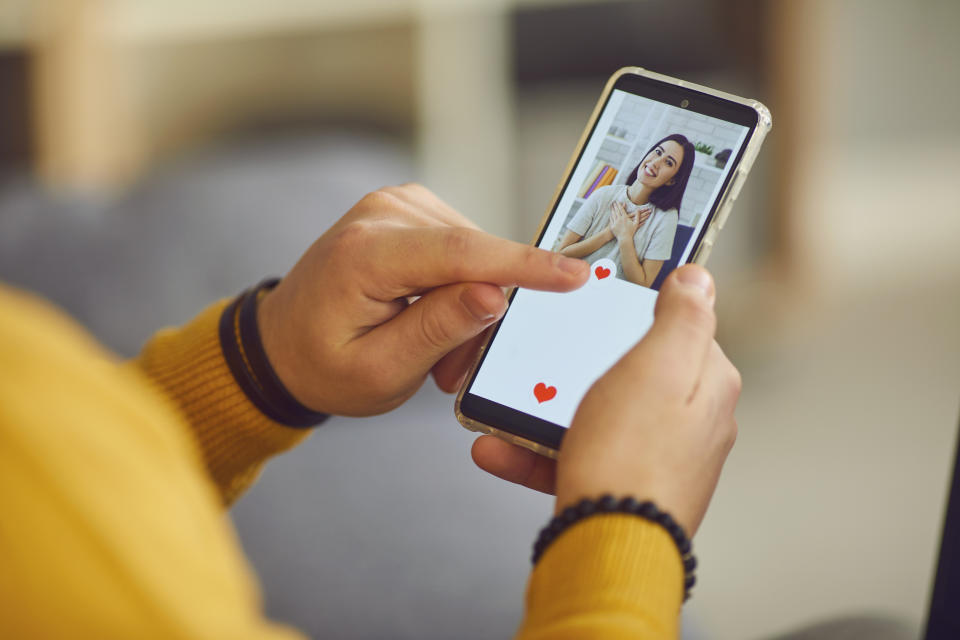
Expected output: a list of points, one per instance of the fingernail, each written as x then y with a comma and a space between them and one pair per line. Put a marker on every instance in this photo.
699, 279
571, 265
483, 307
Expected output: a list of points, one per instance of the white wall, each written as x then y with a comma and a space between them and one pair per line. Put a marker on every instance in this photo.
879, 195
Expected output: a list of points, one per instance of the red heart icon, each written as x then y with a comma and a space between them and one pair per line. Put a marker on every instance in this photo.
602, 272
543, 392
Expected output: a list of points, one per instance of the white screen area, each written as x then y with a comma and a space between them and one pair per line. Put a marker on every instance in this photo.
551, 347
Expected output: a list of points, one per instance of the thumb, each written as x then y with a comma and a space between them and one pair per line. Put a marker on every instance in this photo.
681, 337
437, 323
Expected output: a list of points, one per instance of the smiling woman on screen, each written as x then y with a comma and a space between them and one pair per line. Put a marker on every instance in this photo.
634, 223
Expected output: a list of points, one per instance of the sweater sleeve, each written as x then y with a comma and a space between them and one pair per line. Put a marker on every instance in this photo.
236, 439
110, 527
609, 576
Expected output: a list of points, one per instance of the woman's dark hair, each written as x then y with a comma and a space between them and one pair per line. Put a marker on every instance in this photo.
669, 195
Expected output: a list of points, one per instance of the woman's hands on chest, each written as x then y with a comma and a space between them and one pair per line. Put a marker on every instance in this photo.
623, 224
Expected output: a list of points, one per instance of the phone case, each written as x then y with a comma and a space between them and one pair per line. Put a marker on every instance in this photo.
725, 206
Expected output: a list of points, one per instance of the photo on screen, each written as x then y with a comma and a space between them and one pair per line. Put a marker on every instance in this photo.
643, 188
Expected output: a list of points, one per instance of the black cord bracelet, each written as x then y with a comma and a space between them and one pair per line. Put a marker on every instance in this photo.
248, 362
229, 345
608, 504
294, 412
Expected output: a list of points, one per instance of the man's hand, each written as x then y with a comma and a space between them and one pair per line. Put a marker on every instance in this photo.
657, 426
402, 285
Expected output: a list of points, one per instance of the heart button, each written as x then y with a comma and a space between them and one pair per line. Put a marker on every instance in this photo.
543, 393
602, 272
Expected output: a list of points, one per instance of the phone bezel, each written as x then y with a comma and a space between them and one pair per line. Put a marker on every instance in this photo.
480, 414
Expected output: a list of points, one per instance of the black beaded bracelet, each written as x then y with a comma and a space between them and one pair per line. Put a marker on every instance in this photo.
608, 504
248, 362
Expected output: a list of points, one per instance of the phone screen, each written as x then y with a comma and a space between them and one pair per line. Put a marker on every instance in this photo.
635, 206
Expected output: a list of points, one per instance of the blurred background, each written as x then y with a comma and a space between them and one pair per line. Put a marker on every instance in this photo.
155, 156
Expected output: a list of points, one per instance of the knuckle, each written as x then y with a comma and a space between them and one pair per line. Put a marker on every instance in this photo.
407, 192
355, 235
734, 380
732, 431
535, 260
730, 376
435, 331
457, 242
395, 190
382, 199
414, 187
696, 311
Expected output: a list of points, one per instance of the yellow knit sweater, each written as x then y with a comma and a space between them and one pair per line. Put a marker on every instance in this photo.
114, 477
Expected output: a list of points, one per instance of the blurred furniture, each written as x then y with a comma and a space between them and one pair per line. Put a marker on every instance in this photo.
119, 83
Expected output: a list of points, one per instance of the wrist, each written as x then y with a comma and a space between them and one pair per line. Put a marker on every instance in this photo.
667, 495
608, 504
243, 350
280, 351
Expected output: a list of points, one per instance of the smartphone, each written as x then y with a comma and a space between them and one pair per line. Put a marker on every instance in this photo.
648, 188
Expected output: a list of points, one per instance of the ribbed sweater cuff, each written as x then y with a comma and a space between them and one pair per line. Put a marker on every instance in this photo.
607, 573
187, 363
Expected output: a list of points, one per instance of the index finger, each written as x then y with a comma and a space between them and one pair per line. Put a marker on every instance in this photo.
422, 199
410, 259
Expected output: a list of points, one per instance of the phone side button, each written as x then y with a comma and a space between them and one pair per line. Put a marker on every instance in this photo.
724, 213
546, 452
532, 446
735, 187
705, 247
738, 179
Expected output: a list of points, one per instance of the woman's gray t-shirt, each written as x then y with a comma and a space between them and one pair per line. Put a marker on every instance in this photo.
653, 240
